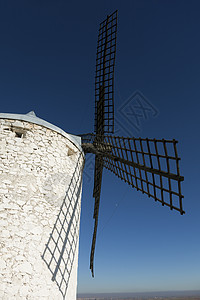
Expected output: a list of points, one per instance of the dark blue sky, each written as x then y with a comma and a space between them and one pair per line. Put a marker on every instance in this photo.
47, 64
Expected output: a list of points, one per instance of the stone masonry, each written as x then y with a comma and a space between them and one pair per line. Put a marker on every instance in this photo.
40, 197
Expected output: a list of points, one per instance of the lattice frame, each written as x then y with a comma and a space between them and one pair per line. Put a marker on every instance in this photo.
104, 79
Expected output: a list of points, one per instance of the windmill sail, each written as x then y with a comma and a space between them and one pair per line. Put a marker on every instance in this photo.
104, 79
96, 194
104, 106
149, 165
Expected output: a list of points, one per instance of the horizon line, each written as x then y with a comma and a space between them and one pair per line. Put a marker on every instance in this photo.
136, 293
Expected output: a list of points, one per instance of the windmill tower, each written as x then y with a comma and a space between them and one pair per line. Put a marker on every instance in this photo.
40, 196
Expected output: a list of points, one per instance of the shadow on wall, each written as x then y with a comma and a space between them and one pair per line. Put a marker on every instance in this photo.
60, 250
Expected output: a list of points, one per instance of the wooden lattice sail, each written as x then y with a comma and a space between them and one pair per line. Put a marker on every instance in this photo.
149, 165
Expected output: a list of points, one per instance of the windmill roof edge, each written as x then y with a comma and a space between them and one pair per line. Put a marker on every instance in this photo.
32, 118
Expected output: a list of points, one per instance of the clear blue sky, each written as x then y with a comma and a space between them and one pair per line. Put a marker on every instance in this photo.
47, 64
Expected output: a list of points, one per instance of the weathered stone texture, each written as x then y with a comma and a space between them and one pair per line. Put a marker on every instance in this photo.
36, 168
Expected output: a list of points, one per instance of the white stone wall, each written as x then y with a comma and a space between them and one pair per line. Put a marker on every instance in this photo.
40, 196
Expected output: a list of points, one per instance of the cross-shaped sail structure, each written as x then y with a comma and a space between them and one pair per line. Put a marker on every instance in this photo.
149, 165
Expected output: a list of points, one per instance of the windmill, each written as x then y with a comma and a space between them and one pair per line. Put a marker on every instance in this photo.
149, 165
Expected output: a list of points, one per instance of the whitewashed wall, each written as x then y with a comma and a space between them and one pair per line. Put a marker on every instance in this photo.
40, 200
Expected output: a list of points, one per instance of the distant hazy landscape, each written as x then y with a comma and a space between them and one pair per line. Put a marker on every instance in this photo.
175, 295
138, 298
